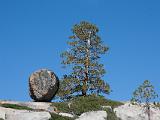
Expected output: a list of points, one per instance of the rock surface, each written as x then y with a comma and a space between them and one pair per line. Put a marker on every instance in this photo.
135, 112
2, 114
34, 105
43, 85
125, 112
94, 115
66, 115
11, 114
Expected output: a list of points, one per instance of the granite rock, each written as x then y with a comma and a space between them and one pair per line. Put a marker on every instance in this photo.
43, 85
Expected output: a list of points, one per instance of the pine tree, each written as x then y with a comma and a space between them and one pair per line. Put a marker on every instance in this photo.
144, 94
83, 57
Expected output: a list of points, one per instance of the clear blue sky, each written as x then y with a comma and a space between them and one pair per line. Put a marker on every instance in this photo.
33, 33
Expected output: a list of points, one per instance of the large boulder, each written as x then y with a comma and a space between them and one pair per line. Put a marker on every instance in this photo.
43, 85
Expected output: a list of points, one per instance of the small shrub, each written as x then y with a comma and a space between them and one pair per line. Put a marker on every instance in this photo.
85, 104
15, 106
157, 105
111, 115
62, 106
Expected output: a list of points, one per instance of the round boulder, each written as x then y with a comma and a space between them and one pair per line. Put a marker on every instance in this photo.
43, 85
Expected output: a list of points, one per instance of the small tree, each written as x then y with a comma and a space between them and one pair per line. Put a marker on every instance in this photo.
83, 58
145, 94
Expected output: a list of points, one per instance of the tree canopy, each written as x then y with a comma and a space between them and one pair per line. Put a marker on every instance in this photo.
145, 93
85, 50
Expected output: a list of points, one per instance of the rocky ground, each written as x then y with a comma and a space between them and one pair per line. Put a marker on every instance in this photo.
40, 111
44, 110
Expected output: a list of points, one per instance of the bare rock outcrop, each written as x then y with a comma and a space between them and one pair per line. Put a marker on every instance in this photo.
43, 85
93, 115
135, 112
11, 114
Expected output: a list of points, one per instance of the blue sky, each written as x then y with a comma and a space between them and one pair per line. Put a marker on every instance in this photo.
33, 33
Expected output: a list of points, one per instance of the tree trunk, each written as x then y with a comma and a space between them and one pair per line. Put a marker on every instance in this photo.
86, 64
84, 87
148, 112
84, 92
